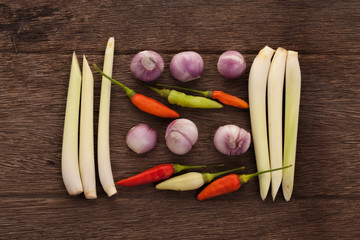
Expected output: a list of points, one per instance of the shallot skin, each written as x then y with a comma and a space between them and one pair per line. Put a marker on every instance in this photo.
147, 65
186, 66
231, 64
232, 140
181, 134
141, 138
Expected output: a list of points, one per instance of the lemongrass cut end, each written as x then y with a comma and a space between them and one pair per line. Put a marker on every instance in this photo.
110, 45
293, 53
110, 191
90, 195
266, 52
287, 188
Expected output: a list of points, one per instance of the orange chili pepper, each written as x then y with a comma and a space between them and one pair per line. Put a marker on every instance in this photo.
229, 99
224, 185
143, 102
228, 184
218, 95
152, 106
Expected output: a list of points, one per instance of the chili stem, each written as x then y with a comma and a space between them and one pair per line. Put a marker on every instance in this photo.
129, 92
203, 93
208, 177
179, 167
162, 92
246, 177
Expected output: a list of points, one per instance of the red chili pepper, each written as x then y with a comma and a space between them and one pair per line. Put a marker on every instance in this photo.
142, 102
228, 184
154, 174
218, 95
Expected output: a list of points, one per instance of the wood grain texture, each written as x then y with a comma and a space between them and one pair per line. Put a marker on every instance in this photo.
36, 42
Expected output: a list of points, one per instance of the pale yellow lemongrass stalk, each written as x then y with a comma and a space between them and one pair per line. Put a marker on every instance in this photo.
86, 148
257, 105
292, 105
70, 159
104, 164
275, 108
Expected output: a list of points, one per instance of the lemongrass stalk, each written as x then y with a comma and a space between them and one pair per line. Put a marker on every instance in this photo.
104, 163
275, 103
70, 159
292, 105
257, 106
86, 148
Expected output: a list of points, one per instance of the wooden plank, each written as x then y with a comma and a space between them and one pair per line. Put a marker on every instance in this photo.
33, 86
32, 114
308, 26
157, 217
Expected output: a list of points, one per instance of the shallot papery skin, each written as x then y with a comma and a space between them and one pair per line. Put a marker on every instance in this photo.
141, 138
232, 140
186, 66
231, 64
181, 134
147, 65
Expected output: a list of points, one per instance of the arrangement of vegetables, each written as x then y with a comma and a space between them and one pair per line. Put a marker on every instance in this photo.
275, 163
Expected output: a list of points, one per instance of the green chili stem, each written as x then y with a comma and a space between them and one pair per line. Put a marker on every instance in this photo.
208, 177
245, 178
179, 167
129, 92
207, 94
162, 92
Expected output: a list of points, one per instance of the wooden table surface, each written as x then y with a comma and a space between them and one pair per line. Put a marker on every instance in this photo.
37, 39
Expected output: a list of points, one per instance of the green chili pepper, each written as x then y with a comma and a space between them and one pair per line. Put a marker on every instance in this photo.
184, 100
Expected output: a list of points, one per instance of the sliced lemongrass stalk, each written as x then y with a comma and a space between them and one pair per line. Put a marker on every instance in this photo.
70, 159
257, 104
86, 146
104, 163
275, 108
292, 105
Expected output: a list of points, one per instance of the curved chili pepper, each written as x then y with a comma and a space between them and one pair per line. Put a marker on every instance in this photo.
223, 97
142, 102
154, 174
228, 184
184, 100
